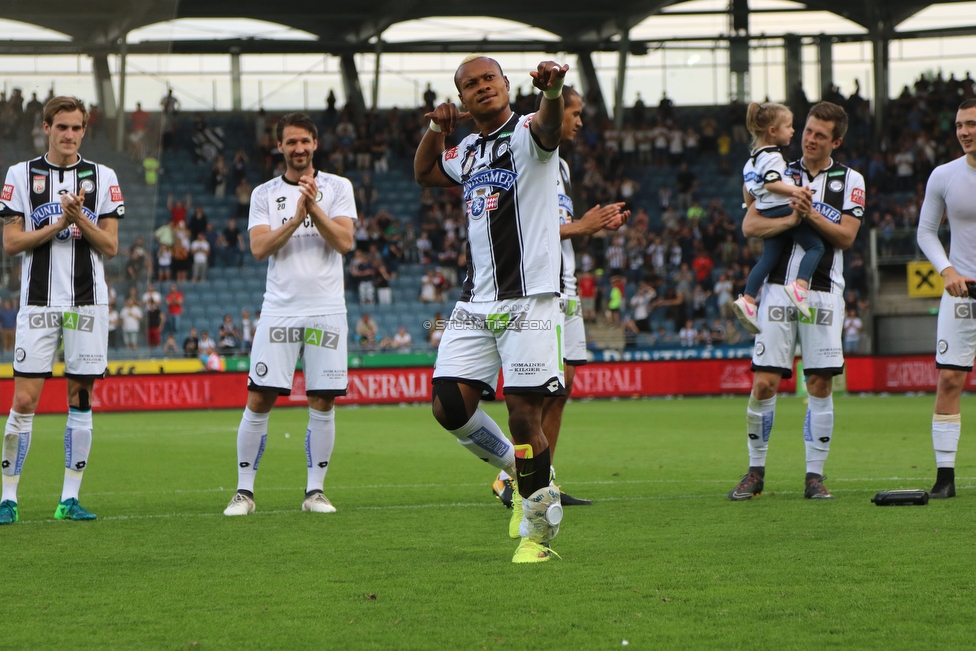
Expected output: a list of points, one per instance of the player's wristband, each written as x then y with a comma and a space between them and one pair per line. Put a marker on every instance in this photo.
436, 128
556, 90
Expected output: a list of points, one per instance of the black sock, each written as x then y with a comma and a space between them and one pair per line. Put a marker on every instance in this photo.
533, 473
245, 493
945, 476
759, 470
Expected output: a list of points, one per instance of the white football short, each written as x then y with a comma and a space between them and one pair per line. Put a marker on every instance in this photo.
573, 331
319, 340
85, 332
820, 336
956, 333
520, 336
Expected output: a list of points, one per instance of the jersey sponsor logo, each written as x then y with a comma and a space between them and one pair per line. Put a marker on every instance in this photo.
751, 177
8, 192
836, 173
489, 180
83, 173
115, 193
53, 210
857, 196
39, 183
565, 203
836, 185
829, 212
451, 154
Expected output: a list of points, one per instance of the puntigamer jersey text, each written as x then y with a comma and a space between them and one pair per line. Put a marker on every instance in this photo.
305, 276
837, 190
65, 271
513, 228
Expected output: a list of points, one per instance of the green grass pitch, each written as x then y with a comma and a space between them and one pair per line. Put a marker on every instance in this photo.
417, 556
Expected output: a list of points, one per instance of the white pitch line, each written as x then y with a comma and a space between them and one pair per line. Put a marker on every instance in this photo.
610, 482
411, 507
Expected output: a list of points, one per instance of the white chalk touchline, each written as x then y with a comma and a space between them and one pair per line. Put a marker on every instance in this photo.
410, 507
486, 483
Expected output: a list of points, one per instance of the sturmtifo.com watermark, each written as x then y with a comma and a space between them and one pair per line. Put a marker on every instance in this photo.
501, 322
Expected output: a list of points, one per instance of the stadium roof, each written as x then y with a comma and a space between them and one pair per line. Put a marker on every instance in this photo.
98, 25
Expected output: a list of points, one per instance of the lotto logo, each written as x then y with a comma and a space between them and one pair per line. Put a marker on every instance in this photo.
115, 193
857, 196
8, 192
451, 154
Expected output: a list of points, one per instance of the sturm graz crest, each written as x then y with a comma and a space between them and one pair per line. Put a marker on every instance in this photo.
482, 203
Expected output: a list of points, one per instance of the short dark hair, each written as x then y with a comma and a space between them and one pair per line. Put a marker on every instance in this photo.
830, 112
296, 119
967, 104
64, 104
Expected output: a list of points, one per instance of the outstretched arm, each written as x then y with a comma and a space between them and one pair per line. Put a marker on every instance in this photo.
547, 125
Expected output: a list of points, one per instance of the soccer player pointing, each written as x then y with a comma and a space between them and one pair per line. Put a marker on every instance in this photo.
61, 213
302, 223
508, 312
951, 190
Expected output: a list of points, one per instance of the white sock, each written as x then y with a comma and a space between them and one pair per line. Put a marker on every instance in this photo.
77, 446
319, 441
759, 424
484, 439
252, 435
16, 443
818, 430
945, 439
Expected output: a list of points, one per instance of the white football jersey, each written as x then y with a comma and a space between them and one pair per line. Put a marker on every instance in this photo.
567, 272
305, 276
65, 271
766, 165
837, 190
513, 229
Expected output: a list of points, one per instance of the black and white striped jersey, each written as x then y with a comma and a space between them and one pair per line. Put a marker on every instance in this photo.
567, 272
65, 271
513, 224
837, 190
